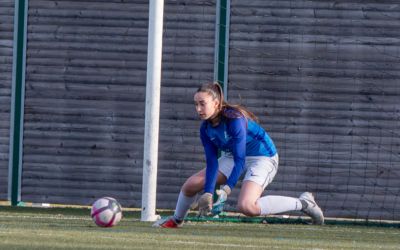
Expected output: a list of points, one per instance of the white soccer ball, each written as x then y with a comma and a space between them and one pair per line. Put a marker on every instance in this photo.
106, 212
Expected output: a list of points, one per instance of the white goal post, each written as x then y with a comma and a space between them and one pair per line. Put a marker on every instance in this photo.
152, 113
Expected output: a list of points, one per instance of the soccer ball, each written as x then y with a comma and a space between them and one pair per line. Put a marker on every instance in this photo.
106, 212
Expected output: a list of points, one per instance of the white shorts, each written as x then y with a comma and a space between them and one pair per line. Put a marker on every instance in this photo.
259, 169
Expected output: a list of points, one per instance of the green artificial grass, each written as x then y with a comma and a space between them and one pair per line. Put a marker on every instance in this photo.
72, 228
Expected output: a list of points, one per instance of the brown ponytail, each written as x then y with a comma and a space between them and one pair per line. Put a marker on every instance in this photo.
215, 90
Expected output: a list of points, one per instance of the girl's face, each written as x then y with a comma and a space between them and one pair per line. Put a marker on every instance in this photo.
206, 106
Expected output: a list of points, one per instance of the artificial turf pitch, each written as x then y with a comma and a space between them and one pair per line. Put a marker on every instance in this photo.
72, 228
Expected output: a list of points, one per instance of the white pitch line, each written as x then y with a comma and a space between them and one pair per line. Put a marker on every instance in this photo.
47, 217
217, 244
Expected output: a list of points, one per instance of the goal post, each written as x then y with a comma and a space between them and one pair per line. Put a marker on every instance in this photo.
152, 110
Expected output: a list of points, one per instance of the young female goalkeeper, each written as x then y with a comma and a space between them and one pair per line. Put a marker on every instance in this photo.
246, 147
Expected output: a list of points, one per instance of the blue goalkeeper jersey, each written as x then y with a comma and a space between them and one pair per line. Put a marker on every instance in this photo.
238, 136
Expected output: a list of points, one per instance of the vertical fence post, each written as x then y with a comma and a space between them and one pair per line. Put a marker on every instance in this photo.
222, 44
17, 101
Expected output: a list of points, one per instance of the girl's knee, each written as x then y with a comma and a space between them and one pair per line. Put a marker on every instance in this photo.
193, 185
248, 208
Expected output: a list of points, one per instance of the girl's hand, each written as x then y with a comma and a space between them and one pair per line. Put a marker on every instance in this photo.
205, 204
222, 193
